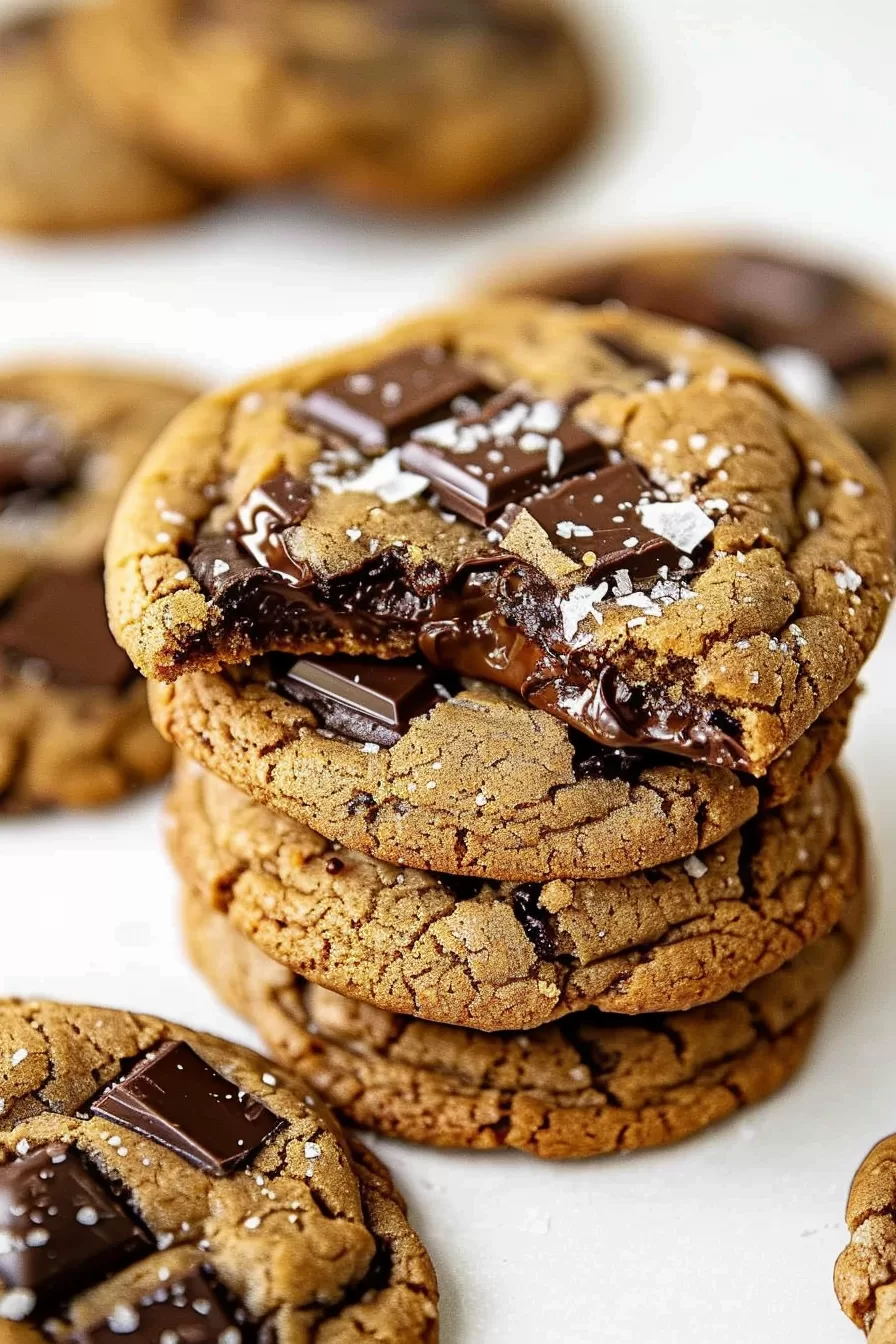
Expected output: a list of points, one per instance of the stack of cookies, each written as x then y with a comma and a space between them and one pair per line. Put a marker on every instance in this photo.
509, 657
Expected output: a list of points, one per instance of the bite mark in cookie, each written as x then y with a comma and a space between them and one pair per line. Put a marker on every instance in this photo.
695, 558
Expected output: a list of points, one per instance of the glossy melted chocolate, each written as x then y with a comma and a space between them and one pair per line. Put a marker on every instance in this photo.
498, 618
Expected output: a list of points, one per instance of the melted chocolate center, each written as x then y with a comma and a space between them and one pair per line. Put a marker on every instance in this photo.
522, 466
38, 460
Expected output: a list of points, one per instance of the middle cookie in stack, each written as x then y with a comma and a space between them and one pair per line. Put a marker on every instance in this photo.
554, 602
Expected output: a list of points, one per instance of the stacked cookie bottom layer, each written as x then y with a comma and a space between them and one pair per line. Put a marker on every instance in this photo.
566, 1018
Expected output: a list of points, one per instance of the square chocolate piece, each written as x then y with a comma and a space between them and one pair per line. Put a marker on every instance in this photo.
480, 463
189, 1312
377, 408
174, 1097
58, 625
60, 1228
366, 699
595, 520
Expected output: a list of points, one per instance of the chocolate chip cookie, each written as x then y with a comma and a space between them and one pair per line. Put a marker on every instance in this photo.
827, 335
162, 1184
865, 1274
398, 103
505, 956
622, 524
595, 1083
74, 727
61, 168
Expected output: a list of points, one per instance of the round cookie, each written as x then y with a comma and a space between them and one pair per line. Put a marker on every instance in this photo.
61, 169
593, 1084
828, 335
482, 787
291, 542
865, 1274
737, 598
398, 104
151, 1175
74, 727
512, 957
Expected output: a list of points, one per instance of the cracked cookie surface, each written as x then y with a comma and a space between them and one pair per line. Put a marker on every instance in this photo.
250, 1202
402, 105
594, 1083
828, 335
62, 169
74, 727
735, 647
483, 787
865, 1274
511, 957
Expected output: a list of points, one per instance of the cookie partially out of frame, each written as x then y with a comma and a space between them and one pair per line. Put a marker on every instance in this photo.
401, 105
158, 1183
828, 334
595, 1083
505, 956
865, 1274
61, 169
74, 727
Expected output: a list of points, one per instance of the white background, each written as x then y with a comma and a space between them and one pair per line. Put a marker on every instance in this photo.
776, 114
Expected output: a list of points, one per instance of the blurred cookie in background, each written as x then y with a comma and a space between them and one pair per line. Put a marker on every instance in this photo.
407, 104
827, 336
74, 725
60, 169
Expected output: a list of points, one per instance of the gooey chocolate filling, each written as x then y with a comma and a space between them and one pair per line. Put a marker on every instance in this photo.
501, 461
496, 620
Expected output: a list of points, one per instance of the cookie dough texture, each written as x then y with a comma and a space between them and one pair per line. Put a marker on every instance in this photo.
788, 606
76, 745
592, 1084
865, 1275
506, 802
504, 957
61, 168
834, 331
403, 106
347, 1266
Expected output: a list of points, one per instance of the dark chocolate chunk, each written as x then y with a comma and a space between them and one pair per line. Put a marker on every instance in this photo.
536, 921
22, 32
174, 1097
595, 521
60, 1228
479, 463
592, 761
464, 888
36, 454
280, 502
189, 1311
767, 289
377, 408
636, 357
366, 699
56, 629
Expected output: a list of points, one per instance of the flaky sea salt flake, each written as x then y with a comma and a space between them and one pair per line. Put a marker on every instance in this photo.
683, 523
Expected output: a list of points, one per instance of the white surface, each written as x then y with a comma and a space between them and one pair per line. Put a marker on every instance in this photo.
778, 113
